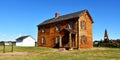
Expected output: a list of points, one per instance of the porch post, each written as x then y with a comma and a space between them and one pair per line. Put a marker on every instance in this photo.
60, 44
70, 39
78, 33
75, 40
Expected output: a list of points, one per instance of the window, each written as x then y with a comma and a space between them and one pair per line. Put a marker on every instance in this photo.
83, 39
43, 29
57, 39
83, 25
58, 27
43, 40
71, 24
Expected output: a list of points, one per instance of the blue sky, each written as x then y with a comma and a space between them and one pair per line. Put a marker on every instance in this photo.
21, 17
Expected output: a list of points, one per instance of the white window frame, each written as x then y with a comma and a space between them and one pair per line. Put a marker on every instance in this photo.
43, 40
84, 39
83, 25
43, 29
71, 26
58, 27
57, 39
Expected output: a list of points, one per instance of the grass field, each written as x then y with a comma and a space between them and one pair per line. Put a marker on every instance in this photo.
41, 53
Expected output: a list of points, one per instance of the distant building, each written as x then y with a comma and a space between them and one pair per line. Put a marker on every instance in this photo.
107, 42
25, 41
7, 43
68, 31
106, 38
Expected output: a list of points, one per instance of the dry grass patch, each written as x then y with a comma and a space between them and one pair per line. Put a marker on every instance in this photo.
41, 53
13, 53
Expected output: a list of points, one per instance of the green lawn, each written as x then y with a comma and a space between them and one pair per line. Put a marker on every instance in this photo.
41, 53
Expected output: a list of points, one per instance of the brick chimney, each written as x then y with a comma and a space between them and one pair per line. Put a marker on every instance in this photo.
57, 15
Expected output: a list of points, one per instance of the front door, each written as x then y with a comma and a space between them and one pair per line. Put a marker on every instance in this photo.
73, 44
65, 40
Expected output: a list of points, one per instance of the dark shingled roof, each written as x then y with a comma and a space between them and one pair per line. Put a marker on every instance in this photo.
64, 17
22, 37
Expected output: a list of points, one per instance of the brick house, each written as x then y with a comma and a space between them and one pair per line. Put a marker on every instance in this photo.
72, 30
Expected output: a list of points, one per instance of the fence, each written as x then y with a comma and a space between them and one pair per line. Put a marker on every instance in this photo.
110, 44
4, 44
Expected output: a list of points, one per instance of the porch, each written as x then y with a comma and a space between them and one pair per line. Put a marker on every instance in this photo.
68, 39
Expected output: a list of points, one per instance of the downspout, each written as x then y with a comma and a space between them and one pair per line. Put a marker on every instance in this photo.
79, 33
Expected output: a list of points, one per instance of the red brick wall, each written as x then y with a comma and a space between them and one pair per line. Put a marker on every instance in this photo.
51, 33
87, 32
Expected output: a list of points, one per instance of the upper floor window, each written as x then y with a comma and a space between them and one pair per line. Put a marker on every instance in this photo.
43, 29
83, 25
71, 24
57, 39
58, 27
43, 40
83, 39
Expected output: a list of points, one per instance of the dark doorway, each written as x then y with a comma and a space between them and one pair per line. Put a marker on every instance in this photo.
68, 38
65, 40
73, 40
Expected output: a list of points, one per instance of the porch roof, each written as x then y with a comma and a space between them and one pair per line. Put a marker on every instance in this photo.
69, 30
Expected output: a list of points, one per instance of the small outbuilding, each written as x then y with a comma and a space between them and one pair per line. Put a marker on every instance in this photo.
25, 41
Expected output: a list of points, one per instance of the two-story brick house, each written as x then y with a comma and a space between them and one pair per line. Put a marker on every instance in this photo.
69, 31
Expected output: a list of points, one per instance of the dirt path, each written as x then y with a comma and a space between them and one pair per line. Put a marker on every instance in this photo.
13, 53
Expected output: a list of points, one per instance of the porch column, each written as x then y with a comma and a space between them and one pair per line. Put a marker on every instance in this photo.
60, 44
78, 33
70, 39
76, 40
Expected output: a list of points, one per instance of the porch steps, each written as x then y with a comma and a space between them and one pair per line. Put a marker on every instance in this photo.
62, 49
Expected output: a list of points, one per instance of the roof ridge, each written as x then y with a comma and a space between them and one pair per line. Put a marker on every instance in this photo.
22, 37
63, 17
75, 12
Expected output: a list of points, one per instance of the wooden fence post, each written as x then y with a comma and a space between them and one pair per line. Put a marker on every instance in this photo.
3, 47
12, 46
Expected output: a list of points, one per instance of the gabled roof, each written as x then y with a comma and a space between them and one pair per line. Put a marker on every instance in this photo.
69, 30
64, 17
22, 37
